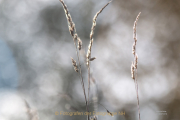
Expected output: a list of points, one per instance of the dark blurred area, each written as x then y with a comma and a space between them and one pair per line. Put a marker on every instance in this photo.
36, 72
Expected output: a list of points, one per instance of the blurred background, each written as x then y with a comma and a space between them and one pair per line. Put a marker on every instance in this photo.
36, 74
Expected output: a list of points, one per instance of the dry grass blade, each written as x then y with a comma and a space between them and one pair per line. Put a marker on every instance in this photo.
135, 62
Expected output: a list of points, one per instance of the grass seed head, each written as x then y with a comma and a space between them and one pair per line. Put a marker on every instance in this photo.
75, 65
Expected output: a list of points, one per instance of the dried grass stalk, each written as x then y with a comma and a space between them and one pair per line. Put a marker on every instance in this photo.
74, 35
88, 56
135, 62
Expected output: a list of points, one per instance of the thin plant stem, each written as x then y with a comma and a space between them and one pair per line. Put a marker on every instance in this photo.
82, 81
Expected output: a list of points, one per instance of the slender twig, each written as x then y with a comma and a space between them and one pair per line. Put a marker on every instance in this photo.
73, 33
88, 56
135, 62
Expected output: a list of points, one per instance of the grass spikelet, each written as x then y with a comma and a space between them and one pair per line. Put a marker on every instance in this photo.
89, 51
79, 43
134, 34
71, 25
94, 20
136, 61
75, 36
91, 59
132, 70
75, 65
